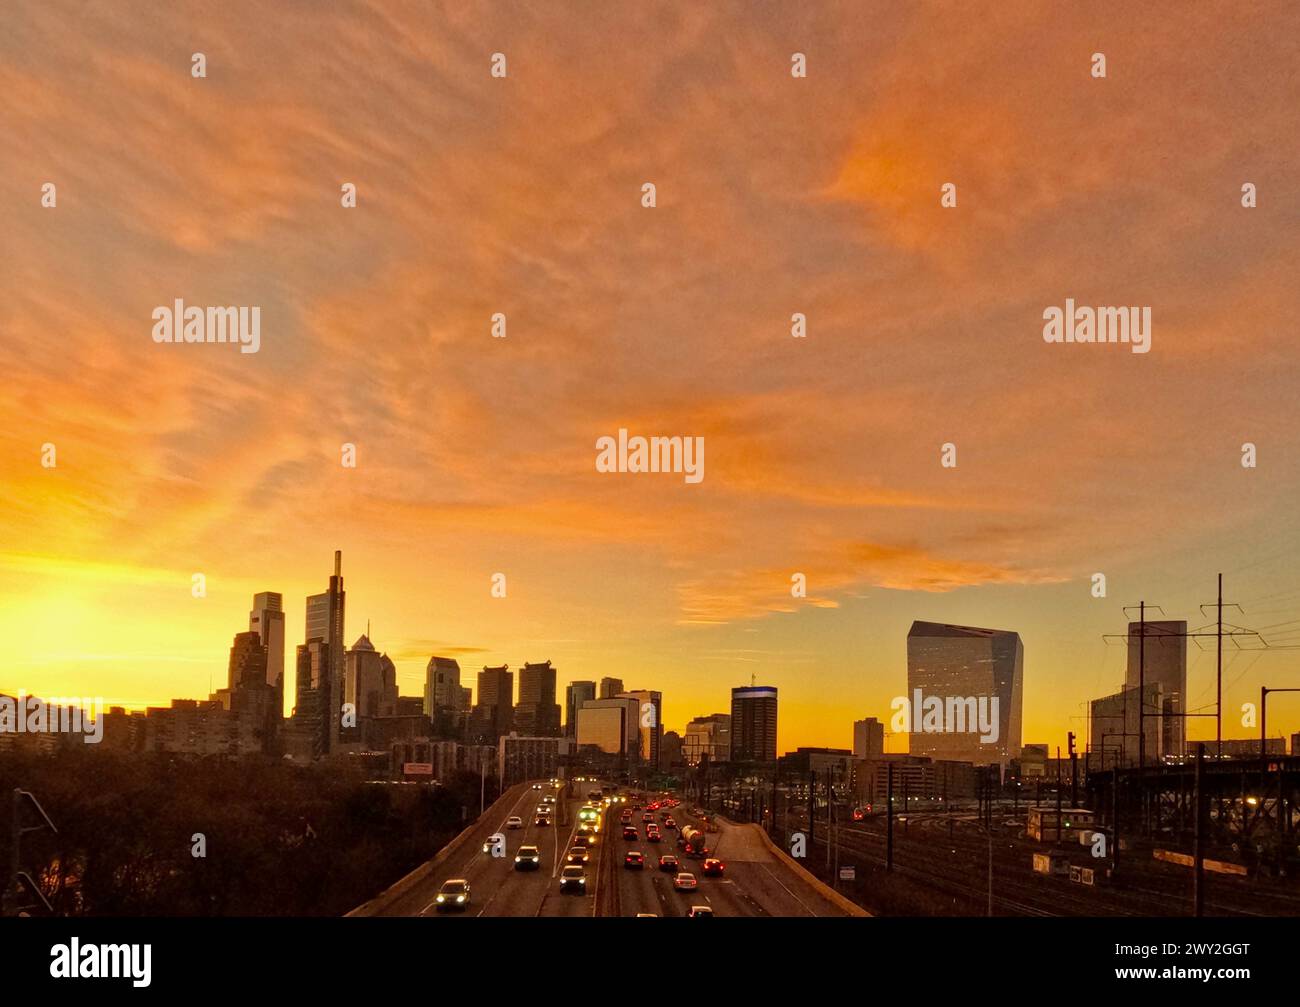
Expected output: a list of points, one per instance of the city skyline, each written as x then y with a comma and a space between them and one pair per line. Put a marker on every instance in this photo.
520, 196
1283, 723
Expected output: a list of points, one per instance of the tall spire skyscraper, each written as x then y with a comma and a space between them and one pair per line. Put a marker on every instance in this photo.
320, 660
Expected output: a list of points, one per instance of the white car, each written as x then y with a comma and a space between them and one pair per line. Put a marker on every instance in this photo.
514, 822
685, 882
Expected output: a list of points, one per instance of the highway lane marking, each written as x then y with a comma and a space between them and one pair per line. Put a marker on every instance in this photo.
474, 861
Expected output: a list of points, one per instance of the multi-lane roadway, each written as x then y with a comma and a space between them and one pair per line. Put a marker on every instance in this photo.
755, 881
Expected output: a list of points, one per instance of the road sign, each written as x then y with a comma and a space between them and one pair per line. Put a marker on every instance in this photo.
848, 873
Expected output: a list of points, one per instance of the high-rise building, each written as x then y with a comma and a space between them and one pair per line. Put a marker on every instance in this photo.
442, 695
610, 725
1114, 727
610, 688
707, 739
493, 714
753, 724
575, 695
537, 714
1158, 656
267, 621
868, 738
247, 667
318, 697
650, 721
964, 698
320, 661
369, 681
249, 694
670, 751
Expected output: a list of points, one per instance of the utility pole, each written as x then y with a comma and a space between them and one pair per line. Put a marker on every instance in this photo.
812, 807
889, 819
1142, 687
1074, 774
1218, 704
1198, 851
1059, 837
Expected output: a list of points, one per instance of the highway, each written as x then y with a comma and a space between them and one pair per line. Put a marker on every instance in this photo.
497, 888
756, 882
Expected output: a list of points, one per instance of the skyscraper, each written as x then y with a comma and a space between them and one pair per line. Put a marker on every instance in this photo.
650, 723
493, 714
753, 724
1159, 657
707, 739
369, 681
964, 698
868, 738
442, 695
267, 621
610, 687
320, 663
247, 667
609, 725
575, 695
537, 714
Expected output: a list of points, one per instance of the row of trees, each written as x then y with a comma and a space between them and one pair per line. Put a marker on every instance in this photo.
161, 835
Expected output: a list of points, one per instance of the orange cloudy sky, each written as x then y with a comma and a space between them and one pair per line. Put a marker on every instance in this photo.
775, 195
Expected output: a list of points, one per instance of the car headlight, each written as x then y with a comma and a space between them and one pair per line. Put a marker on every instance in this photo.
441, 899
519, 860
460, 898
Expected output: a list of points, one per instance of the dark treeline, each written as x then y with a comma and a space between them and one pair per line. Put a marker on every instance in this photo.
280, 840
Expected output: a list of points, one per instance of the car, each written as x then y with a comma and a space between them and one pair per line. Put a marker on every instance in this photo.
685, 882
573, 879
454, 894
634, 860
647, 817
514, 822
630, 834
670, 822
713, 867
542, 820
669, 863
655, 915
583, 841
577, 855
537, 786
548, 799
529, 858
588, 833
636, 807
699, 911
652, 837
